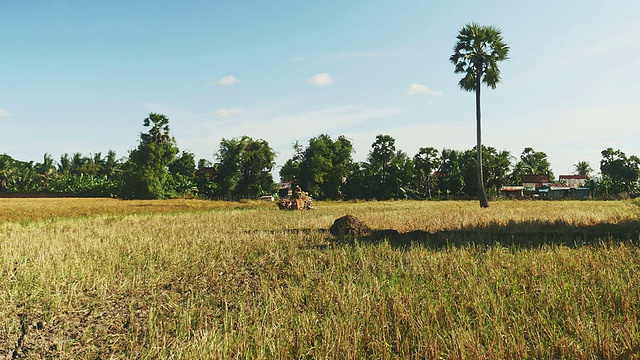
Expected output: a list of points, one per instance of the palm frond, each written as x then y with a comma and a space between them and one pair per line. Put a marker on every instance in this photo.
476, 53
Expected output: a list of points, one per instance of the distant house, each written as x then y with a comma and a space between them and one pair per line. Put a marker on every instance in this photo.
539, 186
574, 181
512, 192
530, 184
581, 192
577, 185
554, 191
569, 186
534, 182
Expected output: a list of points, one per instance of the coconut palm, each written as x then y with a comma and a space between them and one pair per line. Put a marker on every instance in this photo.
476, 54
583, 168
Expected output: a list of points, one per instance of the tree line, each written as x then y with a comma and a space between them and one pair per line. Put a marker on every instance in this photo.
324, 167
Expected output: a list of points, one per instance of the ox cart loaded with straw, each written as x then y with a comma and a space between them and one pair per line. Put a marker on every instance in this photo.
294, 199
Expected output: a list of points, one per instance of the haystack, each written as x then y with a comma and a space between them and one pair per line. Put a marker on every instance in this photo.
348, 226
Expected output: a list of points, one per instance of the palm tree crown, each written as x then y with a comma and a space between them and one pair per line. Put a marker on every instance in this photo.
477, 53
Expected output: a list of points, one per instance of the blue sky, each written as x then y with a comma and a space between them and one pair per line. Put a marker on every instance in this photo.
80, 76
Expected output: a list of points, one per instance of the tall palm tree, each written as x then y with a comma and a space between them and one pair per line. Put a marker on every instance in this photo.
476, 54
64, 165
583, 168
426, 161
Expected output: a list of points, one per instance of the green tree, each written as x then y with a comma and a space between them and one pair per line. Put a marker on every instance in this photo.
583, 168
146, 173
204, 163
531, 163
619, 172
498, 169
45, 170
64, 165
323, 166
449, 175
426, 162
78, 164
361, 182
244, 167
381, 156
20, 176
205, 179
110, 166
86, 175
228, 166
290, 171
388, 173
93, 164
401, 183
256, 162
184, 165
496, 166
182, 171
477, 52
9, 170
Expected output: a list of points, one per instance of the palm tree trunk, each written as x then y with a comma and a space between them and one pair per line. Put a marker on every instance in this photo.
481, 195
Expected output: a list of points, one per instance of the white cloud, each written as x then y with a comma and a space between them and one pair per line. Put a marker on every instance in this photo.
228, 80
225, 113
4, 114
321, 79
417, 89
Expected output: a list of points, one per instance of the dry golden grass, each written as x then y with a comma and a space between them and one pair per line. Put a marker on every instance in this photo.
455, 215
29, 209
249, 281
